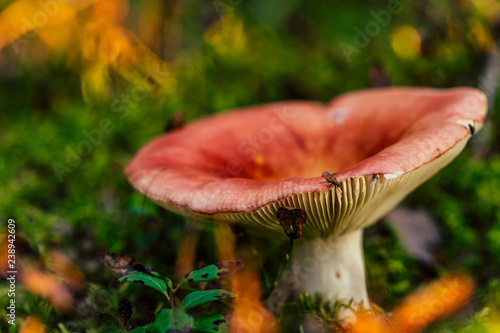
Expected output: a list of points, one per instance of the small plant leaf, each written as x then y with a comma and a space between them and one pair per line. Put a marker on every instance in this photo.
152, 271
148, 328
169, 283
199, 297
214, 323
174, 321
109, 320
214, 271
145, 279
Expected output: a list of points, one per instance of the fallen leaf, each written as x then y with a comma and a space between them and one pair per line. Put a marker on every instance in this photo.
49, 287
122, 264
63, 267
436, 300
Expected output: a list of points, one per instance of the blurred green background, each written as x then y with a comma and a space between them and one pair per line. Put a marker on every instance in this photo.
85, 84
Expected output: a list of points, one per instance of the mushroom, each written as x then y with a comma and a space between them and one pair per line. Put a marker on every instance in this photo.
376, 146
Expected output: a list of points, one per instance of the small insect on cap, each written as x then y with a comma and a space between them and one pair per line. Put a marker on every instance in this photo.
245, 164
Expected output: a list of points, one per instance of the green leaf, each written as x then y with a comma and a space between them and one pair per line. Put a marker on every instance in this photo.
152, 271
214, 323
169, 283
174, 321
148, 328
199, 297
214, 271
145, 279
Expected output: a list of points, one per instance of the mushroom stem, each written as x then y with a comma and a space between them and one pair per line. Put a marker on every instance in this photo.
332, 266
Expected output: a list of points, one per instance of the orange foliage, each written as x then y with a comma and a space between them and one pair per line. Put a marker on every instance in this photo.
22, 17
48, 286
224, 240
434, 301
437, 300
371, 322
63, 267
58, 37
32, 325
249, 315
187, 250
149, 23
39, 282
3, 254
111, 11
97, 38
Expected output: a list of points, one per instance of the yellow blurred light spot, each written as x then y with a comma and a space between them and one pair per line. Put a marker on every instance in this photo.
25, 16
105, 43
58, 38
478, 35
227, 36
95, 82
146, 70
110, 11
492, 326
488, 8
405, 41
107, 46
32, 325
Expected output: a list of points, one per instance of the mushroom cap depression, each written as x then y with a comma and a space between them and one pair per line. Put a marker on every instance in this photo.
243, 165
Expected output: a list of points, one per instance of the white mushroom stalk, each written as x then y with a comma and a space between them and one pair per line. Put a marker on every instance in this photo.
242, 166
333, 266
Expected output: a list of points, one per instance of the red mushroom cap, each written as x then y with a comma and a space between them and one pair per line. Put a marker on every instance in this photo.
243, 165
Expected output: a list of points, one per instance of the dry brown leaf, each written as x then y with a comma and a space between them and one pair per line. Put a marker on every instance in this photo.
122, 264
285, 216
